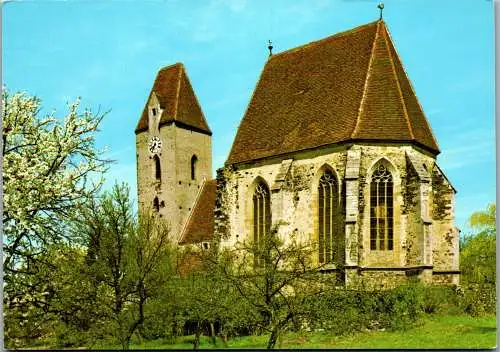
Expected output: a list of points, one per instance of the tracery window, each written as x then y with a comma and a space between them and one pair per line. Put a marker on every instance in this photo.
194, 161
261, 216
328, 215
381, 209
157, 168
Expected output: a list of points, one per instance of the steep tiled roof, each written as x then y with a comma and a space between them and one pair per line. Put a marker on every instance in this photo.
347, 87
177, 99
200, 223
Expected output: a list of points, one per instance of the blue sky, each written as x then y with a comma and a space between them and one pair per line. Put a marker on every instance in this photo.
108, 53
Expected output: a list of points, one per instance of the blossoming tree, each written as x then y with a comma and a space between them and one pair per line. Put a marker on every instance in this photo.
50, 166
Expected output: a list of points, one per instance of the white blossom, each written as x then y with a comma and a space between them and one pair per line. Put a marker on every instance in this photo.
48, 164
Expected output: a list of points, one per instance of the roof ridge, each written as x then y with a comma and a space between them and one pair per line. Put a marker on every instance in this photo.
398, 84
246, 109
170, 66
413, 91
176, 107
365, 86
320, 41
186, 222
186, 77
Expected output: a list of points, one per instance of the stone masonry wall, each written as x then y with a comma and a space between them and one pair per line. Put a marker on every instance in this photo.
406, 206
414, 235
445, 234
294, 204
176, 191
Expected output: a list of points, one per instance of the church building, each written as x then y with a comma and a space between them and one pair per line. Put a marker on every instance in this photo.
334, 146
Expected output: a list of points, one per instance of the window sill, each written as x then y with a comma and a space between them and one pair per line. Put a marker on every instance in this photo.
329, 266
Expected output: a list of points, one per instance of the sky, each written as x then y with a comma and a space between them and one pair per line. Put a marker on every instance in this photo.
108, 53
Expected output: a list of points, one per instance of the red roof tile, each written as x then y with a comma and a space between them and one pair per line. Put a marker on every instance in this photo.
350, 86
199, 226
177, 99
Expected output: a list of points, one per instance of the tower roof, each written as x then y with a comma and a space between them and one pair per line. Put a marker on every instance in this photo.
177, 100
347, 87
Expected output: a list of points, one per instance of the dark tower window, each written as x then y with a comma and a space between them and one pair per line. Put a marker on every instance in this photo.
329, 226
157, 168
156, 204
261, 216
194, 161
381, 209
153, 110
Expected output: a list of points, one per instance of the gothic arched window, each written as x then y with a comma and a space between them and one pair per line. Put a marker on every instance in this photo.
156, 204
329, 228
261, 214
194, 161
157, 168
381, 209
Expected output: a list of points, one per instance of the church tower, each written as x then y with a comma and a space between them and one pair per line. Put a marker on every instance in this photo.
173, 148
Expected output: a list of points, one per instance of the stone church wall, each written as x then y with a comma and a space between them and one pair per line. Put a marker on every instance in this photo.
294, 205
176, 191
414, 236
446, 235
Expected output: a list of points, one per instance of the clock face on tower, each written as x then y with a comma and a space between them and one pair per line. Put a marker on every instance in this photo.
154, 145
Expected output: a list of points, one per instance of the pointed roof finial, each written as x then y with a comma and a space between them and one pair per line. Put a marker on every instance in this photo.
270, 47
381, 7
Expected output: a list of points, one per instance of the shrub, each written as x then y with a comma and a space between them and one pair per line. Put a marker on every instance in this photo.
69, 336
478, 299
438, 299
346, 311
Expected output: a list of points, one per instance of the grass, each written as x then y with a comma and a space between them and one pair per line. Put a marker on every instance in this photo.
437, 331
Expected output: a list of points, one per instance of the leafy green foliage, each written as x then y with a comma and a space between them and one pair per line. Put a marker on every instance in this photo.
347, 311
478, 299
439, 299
276, 279
478, 264
478, 250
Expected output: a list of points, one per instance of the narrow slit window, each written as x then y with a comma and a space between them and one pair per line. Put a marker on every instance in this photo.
329, 227
261, 217
157, 167
194, 161
381, 209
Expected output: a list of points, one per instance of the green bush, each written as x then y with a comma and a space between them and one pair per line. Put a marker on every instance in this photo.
478, 299
346, 311
68, 336
439, 299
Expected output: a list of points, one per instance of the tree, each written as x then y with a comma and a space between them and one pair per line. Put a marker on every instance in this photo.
50, 167
151, 266
128, 259
279, 284
206, 298
478, 250
484, 220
